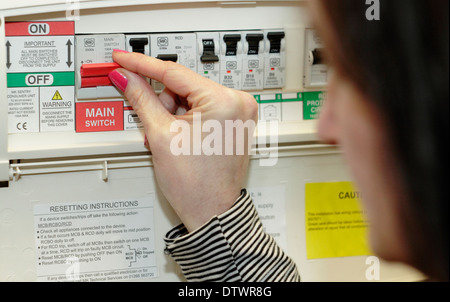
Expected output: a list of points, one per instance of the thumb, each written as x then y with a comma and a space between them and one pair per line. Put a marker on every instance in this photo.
144, 101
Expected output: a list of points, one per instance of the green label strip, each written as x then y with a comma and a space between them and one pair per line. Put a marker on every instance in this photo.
312, 102
41, 79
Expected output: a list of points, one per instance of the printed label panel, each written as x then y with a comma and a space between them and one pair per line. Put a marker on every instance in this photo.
23, 110
41, 79
57, 109
47, 28
335, 224
312, 104
99, 116
131, 120
40, 76
108, 240
40, 54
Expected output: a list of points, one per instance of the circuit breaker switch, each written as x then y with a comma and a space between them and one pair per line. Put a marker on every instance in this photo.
315, 56
231, 42
253, 60
253, 43
315, 71
138, 44
176, 47
168, 57
231, 51
209, 54
275, 41
275, 59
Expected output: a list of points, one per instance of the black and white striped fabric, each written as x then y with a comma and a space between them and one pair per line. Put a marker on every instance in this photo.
230, 247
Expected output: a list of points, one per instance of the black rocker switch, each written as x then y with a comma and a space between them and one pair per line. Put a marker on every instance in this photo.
208, 51
138, 44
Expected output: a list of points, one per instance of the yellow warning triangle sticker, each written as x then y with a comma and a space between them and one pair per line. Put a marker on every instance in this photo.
57, 96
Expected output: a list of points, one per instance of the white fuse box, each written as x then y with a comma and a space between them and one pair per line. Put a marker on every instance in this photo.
78, 195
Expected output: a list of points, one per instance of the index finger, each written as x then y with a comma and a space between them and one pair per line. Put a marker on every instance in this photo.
176, 77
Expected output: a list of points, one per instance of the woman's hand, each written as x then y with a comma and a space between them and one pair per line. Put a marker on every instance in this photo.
197, 185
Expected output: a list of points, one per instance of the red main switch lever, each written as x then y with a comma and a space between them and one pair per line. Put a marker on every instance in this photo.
97, 69
93, 75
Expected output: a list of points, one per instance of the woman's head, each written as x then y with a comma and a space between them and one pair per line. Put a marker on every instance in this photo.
387, 107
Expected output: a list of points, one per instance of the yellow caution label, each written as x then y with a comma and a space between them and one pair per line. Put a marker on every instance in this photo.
335, 223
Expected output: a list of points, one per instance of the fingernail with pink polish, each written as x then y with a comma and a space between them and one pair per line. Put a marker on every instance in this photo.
118, 79
145, 141
120, 50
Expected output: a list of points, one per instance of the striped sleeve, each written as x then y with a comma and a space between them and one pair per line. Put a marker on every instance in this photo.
230, 247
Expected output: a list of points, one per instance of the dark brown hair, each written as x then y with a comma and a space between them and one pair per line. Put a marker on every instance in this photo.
401, 62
